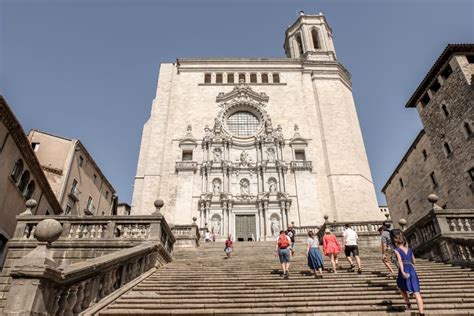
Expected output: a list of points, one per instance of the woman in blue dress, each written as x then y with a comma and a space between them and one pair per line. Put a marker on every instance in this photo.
315, 259
407, 280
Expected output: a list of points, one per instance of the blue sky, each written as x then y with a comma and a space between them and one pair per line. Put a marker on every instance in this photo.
88, 69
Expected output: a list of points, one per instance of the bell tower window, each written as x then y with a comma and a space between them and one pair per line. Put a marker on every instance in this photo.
315, 37
299, 43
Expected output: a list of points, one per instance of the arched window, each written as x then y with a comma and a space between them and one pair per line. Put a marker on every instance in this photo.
299, 43
25, 178
30, 189
17, 170
315, 37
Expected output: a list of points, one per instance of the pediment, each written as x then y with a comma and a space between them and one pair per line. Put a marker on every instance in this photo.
242, 94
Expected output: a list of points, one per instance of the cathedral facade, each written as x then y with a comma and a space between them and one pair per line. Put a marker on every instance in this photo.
248, 145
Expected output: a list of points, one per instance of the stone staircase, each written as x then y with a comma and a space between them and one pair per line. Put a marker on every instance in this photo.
201, 281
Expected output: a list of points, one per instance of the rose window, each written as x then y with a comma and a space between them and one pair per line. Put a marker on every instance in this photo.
243, 123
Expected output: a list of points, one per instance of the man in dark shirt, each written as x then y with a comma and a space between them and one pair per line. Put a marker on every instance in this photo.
290, 232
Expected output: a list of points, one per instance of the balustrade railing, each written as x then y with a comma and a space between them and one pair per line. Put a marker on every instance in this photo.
186, 235
186, 166
301, 165
303, 230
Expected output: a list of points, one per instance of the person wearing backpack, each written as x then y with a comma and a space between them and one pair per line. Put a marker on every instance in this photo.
229, 246
283, 248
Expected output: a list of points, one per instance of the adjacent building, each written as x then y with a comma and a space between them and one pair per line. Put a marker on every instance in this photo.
441, 159
78, 183
21, 177
247, 145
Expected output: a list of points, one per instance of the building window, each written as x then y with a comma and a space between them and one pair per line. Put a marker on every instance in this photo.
300, 154
47, 212
447, 149
230, 78
470, 59
30, 189
471, 174
433, 180
95, 177
299, 44
17, 170
187, 155
401, 183
218, 78
74, 186
276, 78
446, 72
81, 161
89, 203
425, 154
207, 78
425, 99
68, 210
467, 129
444, 109
315, 37
241, 78
243, 123
253, 78
407, 205
264, 78
25, 178
106, 195
35, 146
435, 86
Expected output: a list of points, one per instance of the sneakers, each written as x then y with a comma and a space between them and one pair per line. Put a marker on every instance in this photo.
359, 271
286, 275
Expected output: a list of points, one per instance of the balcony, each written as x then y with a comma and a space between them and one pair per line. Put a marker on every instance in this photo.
75, 194
186, 166
301, 165
90, 209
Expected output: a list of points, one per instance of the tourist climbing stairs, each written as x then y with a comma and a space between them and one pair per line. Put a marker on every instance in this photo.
202, 281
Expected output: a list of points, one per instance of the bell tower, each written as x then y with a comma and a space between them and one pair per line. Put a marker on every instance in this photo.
310, 37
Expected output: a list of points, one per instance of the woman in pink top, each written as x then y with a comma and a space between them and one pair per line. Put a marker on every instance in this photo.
331, 247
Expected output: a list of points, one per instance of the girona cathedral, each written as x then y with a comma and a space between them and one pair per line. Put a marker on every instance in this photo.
245, 146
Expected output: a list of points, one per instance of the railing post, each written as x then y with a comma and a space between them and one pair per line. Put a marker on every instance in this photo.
34, 296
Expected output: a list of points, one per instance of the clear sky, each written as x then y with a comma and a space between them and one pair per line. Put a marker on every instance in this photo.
88, 69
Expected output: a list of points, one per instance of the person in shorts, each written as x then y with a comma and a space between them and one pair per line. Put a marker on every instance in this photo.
229, 246
351, 247
388, 253
282, 250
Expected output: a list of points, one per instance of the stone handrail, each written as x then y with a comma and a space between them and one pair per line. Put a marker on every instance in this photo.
302, 231
301, 165
99, 229
186, 235
359, 227
443, 229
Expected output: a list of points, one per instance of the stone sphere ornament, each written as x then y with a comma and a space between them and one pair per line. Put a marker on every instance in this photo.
48, 230
159, 203
403, 222
433, 198
31, 204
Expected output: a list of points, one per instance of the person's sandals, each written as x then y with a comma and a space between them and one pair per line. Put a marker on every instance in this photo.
359, 271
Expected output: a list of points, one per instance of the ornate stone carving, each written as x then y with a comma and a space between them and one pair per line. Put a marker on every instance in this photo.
275, 225
244, 187
216, 186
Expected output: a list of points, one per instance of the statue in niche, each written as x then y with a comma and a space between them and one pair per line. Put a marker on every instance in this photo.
271, 154
275, 226
216, 186
244, 158
272, 185
216, 225
207, 132
244, 187
189, 131
217, 126
217, 152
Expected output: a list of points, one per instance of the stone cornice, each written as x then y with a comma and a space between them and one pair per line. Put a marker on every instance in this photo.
19, 137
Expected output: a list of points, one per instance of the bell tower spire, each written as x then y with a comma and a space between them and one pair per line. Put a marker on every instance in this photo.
310, 37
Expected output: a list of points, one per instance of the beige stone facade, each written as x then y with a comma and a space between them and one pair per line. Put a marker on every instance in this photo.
78, 183
259, 143
441, 159
21, 177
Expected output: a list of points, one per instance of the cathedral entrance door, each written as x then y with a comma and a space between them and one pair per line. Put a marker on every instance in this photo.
245, 227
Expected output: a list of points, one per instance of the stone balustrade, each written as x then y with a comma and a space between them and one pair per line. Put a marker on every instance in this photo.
296, 165
186, 235
302, 231
445, 235
186, 166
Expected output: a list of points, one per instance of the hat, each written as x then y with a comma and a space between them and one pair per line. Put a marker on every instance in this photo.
327, 231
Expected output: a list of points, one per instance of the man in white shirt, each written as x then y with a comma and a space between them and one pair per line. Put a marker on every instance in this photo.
351, 248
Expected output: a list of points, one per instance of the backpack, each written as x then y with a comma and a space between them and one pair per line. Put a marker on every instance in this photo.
228, 243
283, 242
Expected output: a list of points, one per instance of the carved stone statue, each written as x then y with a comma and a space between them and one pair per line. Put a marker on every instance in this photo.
216, 186
217, 152
271, 154
244, 158
244, 187
272, 185
216, 225
275, 226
